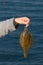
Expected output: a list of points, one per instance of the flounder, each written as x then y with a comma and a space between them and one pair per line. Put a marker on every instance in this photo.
25, 40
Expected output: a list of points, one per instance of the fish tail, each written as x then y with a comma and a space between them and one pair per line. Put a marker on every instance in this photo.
25, 53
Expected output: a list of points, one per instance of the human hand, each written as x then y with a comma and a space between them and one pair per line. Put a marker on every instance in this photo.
23, 20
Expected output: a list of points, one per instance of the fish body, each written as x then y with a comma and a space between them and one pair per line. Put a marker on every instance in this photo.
25, 41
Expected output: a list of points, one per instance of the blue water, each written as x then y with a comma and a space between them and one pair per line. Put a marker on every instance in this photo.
10, 51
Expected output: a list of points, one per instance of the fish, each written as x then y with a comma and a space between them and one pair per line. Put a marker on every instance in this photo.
26, 41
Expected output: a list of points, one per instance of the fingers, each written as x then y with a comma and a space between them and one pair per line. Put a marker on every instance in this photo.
27, 25
27, 22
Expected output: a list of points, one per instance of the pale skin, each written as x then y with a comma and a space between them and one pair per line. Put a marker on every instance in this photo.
23, 20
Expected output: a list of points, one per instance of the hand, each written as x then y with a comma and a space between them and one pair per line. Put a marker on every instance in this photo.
23, 20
